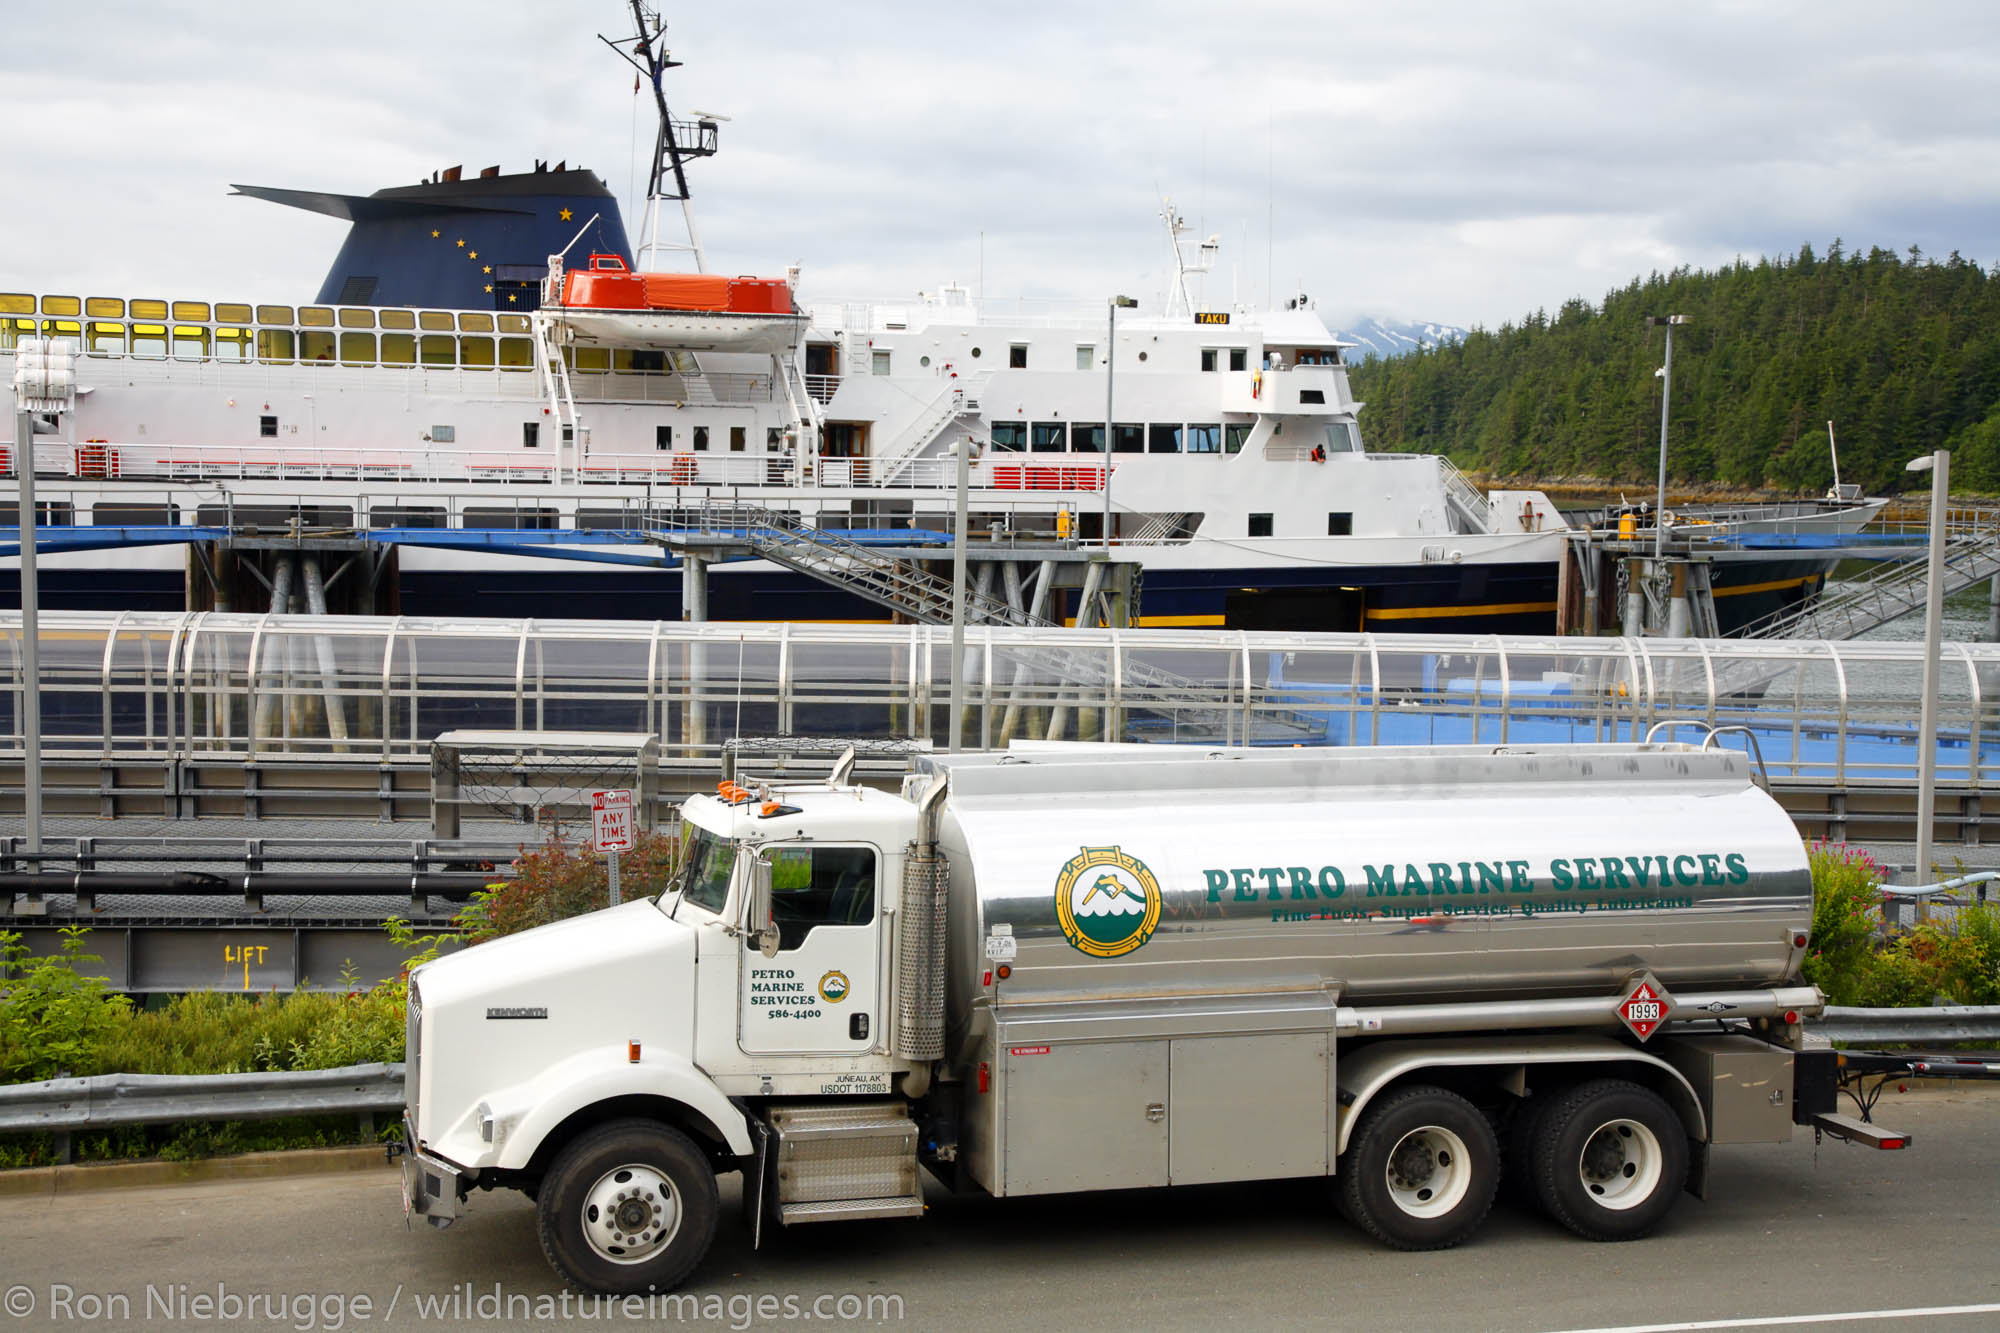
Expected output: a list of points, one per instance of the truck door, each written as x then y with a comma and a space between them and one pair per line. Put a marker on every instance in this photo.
818, 995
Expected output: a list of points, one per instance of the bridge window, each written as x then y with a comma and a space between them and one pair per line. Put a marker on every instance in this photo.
315, 346
475, 323
107, 338
231, 344
1163, 438
316, 316
70, 305
1312, 395
1239, 358
1128, 438
476, 352
1017, 357
593, 358
276, 345
1050, 437
190, 342
436, 321
1086, 437
1208, 358
638, 362
438, 349
1204, 438
1234, 436
152, 310
397, 319
274, 314
1260, 525
399, 349
149, 340
1010, 436
356, 319
110, 307
516, 353
357, 349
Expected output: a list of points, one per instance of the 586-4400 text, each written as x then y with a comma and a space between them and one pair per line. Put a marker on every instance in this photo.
791, 1013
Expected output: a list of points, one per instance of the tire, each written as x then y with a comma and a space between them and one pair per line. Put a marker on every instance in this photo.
1421, 1170
623, 1175
1610, 1159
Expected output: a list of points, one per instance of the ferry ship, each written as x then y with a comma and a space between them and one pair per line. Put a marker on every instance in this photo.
495, 405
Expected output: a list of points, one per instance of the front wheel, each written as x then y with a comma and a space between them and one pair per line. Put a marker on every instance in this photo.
627, 1208
1610, 1157
1421, 1170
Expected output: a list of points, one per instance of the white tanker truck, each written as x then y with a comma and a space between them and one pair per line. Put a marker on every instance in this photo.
1091, 967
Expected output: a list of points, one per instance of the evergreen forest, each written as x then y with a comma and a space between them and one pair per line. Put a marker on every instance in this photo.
1901, 352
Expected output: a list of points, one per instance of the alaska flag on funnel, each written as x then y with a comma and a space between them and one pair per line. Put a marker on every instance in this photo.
478, 244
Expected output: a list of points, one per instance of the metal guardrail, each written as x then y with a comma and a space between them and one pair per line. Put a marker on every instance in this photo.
68, 1104
1895, 1027
63, 1106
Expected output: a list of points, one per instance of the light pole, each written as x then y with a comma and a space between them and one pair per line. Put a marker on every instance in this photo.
1114, 305
1939, 466
964, 451
1666, 397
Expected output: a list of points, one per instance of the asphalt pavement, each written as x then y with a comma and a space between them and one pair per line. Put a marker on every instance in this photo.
1828, 1236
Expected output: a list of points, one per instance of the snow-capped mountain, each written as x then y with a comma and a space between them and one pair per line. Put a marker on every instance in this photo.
1386, 337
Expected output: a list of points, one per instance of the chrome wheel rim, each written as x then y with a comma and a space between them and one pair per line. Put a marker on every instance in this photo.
1620, 1165
1429, 1172
631, 1213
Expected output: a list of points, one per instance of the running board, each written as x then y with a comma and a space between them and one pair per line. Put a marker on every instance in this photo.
1858, 1131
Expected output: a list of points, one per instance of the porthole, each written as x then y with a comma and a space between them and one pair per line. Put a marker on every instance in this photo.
923, 361
1142, 356
975, 351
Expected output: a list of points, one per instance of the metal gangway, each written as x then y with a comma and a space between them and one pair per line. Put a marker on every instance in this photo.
1893, 588
786, 539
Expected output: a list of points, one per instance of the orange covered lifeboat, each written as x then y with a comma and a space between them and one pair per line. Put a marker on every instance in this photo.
608, 285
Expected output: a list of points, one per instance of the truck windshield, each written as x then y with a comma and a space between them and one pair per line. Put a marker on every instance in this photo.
705, 883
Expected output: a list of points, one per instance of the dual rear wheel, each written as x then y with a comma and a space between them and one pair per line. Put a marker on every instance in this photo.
1606, 1159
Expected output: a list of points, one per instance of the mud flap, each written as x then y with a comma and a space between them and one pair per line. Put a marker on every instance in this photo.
1697, 1178
759, 1194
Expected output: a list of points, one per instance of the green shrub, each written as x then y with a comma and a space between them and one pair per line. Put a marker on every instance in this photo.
52, 1019
1847, 919
563, 878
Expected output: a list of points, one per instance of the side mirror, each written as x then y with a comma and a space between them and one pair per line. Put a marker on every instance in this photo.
759, 923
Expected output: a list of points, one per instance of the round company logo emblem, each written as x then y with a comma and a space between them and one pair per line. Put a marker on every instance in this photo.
1108, 903
833, 987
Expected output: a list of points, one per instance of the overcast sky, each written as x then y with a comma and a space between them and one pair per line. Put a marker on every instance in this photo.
1464, 163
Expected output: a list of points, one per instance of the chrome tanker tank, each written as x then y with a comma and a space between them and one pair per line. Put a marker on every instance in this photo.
1386, 874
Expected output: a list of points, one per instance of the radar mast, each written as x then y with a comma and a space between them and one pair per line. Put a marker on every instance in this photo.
676, 143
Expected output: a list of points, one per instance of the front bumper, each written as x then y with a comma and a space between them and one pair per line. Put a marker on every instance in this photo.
433, 1189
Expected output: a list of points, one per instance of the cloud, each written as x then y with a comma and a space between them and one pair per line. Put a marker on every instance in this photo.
1464, 163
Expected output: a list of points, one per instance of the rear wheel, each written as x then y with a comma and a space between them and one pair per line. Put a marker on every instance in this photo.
628, 1207
1610, 1157
1421, 1170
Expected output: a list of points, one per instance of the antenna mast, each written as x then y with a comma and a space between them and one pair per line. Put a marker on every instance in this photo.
676, 143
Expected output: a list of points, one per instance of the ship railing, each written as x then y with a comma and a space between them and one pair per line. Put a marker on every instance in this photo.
822, 388
1463, 496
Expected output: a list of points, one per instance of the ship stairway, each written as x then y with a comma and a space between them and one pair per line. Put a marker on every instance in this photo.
1463, 499
1160, 528
555, 380
1892, 589
953, 403
906, 587
803, 406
